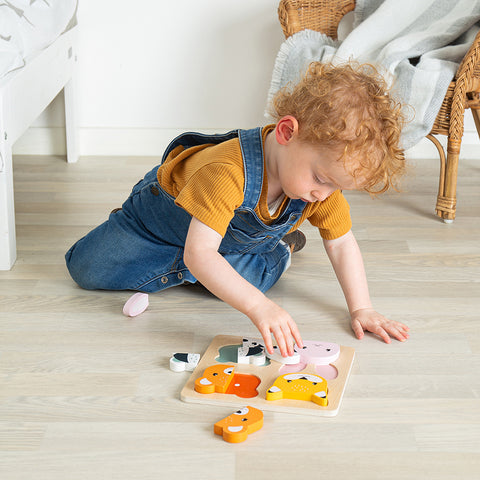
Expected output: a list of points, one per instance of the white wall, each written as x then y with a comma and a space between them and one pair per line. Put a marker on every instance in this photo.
150, 69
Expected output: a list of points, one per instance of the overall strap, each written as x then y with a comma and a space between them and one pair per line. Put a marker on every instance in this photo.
251, 143
192, 139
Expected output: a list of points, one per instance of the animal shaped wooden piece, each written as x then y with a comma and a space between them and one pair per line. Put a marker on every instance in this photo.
181, 362
236, 427
276, 356
318, 353
243, 385
299, 386
251, 351
216, 378
221, 378
288, 360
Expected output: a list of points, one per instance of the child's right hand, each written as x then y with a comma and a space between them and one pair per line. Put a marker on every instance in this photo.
270, 318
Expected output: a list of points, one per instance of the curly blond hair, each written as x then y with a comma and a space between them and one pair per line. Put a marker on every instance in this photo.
348, 108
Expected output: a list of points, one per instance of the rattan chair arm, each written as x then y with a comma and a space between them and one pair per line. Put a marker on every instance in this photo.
466, 84
469, 69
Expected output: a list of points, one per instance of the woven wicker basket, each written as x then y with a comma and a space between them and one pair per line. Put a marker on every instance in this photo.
464, 91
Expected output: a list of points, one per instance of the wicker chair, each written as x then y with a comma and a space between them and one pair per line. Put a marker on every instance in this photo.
464, 91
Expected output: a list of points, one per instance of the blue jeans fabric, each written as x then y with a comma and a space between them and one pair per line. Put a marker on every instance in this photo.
141, 246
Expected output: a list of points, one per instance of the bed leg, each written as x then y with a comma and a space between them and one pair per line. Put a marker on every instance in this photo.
69, 93
8, 250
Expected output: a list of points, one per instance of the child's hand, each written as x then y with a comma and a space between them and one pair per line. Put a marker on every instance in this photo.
367, 319
269, 318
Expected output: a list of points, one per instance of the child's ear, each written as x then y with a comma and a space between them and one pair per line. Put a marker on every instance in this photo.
286, 129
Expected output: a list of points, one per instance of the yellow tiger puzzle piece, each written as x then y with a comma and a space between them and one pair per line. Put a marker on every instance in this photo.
299, 386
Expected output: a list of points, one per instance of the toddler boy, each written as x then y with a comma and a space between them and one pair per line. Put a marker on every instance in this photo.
223, 209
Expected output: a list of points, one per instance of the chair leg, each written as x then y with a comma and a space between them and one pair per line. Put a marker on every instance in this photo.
447, 197
8, 250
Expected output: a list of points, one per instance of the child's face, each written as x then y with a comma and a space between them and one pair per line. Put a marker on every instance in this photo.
312, 173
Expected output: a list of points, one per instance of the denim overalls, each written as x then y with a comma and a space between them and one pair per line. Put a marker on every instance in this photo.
141, 246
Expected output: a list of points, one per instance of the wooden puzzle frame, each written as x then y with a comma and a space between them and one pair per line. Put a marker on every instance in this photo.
267, 375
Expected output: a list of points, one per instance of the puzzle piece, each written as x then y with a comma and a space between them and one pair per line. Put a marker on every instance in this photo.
318, 353
276, 355
136, 304
299, 386
243, 385
216, 378
222, 379
236, 427
251, 352
180, 362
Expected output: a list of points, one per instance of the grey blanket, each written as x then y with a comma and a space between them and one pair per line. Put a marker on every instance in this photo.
418, 44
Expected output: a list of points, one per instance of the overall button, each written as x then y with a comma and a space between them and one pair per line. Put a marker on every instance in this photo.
164, 279
155, 191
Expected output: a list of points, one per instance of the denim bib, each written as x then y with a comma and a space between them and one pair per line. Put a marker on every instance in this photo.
246, 232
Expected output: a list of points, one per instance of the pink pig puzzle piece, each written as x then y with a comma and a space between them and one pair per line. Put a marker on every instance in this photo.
320, 354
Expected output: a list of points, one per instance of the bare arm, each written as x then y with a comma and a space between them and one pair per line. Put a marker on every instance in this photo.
346, 259
215, 273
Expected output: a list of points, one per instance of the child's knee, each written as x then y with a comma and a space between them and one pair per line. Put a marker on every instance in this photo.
83, 268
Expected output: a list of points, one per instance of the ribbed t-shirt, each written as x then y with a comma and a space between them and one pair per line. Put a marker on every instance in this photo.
207, 181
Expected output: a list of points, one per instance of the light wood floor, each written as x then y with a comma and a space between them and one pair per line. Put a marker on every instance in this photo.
86, 393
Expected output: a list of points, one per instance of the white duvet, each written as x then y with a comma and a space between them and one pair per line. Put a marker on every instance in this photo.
28, 26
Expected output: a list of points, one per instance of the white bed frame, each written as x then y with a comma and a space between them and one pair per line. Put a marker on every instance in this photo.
24, 94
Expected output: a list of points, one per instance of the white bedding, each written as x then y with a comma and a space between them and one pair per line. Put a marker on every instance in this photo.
28, 26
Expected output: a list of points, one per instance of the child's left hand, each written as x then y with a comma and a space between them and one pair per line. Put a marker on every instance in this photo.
367, 319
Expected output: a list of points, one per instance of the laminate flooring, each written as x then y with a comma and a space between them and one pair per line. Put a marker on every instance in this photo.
86, 393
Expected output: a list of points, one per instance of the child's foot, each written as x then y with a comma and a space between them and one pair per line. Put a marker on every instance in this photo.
295, 240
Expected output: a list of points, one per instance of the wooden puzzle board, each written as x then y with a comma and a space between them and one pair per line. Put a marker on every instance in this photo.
267, 375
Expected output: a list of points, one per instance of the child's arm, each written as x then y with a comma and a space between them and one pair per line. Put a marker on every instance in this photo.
215, 273
346, 259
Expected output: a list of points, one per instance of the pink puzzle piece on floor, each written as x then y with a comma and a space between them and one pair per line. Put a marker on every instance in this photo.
136, 304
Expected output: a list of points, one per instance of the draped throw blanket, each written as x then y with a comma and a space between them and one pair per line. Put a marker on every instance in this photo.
417, 44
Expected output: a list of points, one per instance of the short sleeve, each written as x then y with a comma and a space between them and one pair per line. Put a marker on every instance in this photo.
332, 216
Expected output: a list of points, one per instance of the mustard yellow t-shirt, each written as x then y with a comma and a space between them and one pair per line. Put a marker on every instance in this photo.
207, 181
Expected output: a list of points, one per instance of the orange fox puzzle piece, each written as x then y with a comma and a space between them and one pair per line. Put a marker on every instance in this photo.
236, 427
243, 385
216, 378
